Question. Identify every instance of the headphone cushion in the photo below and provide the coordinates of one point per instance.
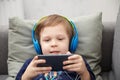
(74, 43)
(37, 47)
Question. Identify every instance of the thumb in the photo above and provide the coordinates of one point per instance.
(35, 58)
(68, 52)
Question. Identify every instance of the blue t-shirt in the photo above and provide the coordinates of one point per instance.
(59, 75)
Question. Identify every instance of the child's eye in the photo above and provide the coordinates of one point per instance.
(46, 40)
(60, 39)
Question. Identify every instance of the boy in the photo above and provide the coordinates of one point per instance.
(55, 34)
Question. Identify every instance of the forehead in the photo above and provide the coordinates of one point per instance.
(57, 29)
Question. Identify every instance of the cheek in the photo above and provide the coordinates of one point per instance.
(44, 48)
(65, 46)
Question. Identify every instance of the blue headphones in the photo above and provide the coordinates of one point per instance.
(73, 43)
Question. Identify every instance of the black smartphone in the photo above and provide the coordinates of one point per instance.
(55, 61)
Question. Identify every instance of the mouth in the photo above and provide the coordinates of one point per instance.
(55, 52)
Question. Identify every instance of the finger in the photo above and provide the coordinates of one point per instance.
(38, 71)
(75, 56)
(42, 72)
(72, 67)
(43, 69)
(74, 61)
(41, 61)
(68, 52)
(35, 58)
(37, 61)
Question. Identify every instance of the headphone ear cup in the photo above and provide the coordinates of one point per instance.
(37, 47)
(74, 40)
(36, 43)
(73, 44)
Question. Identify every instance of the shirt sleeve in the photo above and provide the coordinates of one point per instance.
(89, 69)
(22, 70)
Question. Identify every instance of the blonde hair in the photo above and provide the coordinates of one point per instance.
(53, 20)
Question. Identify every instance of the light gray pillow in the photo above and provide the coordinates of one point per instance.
(19, 43)
(90, 38)
(21, 46)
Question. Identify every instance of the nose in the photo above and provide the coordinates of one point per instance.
(54, 43)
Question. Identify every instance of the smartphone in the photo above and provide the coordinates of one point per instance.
(54, 60)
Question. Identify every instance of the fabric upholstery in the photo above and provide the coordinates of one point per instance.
(4, 77)
(3, 49)
(107, 46)
(116, 49)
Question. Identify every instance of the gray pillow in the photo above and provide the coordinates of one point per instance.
(21, 46)
(90, 38)
(19, 43)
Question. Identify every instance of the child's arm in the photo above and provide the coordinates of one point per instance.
(22, 70)
(32, 70)
(78, 64)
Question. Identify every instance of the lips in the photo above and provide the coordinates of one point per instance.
(54, 52)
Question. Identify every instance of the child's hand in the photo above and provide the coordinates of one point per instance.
(75, 63)
(33, 71)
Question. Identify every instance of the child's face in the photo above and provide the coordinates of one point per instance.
(54, 40)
